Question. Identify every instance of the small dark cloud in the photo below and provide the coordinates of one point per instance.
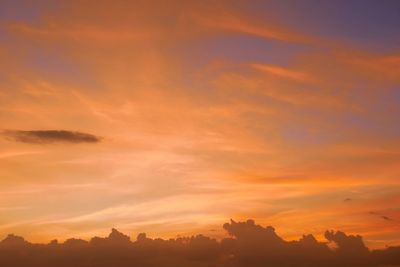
(384, 217)
(347, 199)
(50, 136)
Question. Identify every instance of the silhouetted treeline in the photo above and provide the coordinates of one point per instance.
(249, 245)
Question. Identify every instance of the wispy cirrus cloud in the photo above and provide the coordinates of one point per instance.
(283, 72)
(281, 123)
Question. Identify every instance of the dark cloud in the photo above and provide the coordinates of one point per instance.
(249, 245)
(50, 136)
(349, 247)
(384, 217)
(347, 199)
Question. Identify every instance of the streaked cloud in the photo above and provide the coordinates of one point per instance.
(283, 72)
(210, 109)
(50, 136)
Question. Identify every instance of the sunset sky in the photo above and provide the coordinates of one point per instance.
(171, 117)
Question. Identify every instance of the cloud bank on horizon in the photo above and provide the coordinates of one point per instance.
(249, 244)
(181, 114)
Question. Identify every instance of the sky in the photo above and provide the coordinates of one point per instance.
(171, 117)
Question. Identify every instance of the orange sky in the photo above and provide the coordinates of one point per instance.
(207, 110)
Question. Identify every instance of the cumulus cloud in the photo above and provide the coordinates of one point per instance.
(50, 136)
(249, 245)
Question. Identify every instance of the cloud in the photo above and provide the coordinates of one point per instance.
(50, 136)
(240, 22)
(383, 217)
(349, 245)
(386, 218)
(249, 245)
(283, 72)
(183, 105)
